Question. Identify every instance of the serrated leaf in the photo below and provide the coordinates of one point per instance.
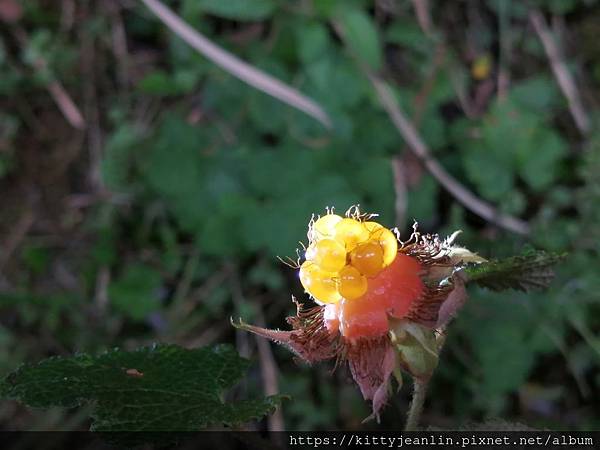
(532, 270)
(157, 388)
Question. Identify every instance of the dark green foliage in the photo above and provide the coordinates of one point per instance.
(164, 217)
(158, 388)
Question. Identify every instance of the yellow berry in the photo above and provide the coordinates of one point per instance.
(385, 238)
(319, 283)
(352, 283)
(368, 258)
(325, 226)
(328, 254)
(350, 232)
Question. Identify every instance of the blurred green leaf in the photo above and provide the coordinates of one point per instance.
(511, 140)
(361, 35)
(136, 293)
(422, 201)
(537, 93)
(313, 41)
(239, 9)
(173, 164)
(539, 167)
(36, 258)
(409, 34)
(117, 156)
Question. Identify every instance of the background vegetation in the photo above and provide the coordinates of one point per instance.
(159, 212)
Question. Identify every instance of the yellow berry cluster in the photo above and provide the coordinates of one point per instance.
(342, 254)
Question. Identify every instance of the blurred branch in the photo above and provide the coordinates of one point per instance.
(416, 405)
(418, 147)
(268, 368)
(426, 24)
(58, 93)
(17, 233)
(236, 67)
(421, 8)
(561, 72)
(400, 189)
(504, 54)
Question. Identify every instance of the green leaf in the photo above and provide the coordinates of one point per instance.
(511, 140)
(537, 94)
(361, 35)
(157, 388)
(239, 9)
(135, 294)
(531, 270)
(539, 166)
(172, 165)
(313, 41)
(117, 155)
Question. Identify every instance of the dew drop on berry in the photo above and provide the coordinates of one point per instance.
(328, 254)
(319, 283)
(368, 258)
(350, 232)
(352, 283)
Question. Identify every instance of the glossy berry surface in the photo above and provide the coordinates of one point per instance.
(345, 257)
(390, 293)
(367, 258)
(328, 254)
(319, 283)
(350, 233)
(324, 227)
(352, 283)
(385, 238)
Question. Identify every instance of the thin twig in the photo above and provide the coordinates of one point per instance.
(179, 309)
(421, 8)
(418, 147)
(89, 70)
(16, 235)
(58, 93)
(119, 43)
(400, 189)
(561, 72)
(236, 67)
(101, 291)
(426, 24)
(416, 405)
(269, 372)
(66, 105)
(402, 177)
(504, 57)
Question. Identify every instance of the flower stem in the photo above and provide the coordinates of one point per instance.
(416, 405)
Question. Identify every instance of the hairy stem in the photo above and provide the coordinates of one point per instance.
(416, 405)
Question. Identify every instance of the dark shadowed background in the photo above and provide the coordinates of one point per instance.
(145, 193)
